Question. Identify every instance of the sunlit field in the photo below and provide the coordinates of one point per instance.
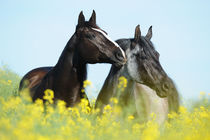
(21, 119)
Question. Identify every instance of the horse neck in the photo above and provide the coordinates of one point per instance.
(70, 67)
(110, 87)
(148, 102)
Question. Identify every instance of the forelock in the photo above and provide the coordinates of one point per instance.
(124, 43)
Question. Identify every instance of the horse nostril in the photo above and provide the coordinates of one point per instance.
(165, 86)
(119, 55)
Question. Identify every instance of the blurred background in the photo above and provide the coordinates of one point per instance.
(34, 33)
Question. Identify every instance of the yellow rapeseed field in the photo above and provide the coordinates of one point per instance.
(21, 119)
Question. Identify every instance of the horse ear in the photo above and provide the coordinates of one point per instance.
(137, 33)
(81, 19)
(149, 33)
(92, 19)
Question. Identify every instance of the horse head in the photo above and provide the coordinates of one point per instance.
(94, 45)
(143, 65)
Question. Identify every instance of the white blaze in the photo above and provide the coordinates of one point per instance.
(98, 30)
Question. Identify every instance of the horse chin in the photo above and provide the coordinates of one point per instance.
(160, 93)
(118, 65)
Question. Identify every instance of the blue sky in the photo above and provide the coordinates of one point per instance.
(34, 33)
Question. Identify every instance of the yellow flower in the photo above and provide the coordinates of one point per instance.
(61, 105)
(151, 132)
(202, 108)
(182, 109)
(75, 112)
(130, 117)
(170, 116)
(39, 102)
(84, 105)
(122, 83)
(114, 100)
(22, 119)
(48, 95)
(84, 102)
(87, 83)
(10, 82)
(107, 107)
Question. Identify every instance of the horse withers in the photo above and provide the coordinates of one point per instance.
(147, 81)
(89, 44)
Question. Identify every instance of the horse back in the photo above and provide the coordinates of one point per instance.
(33, 78)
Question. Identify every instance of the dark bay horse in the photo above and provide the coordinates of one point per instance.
(89, 44)
(149, 89)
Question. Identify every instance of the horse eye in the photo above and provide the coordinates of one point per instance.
(137, 55)
(93, 36)
(143, 57)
